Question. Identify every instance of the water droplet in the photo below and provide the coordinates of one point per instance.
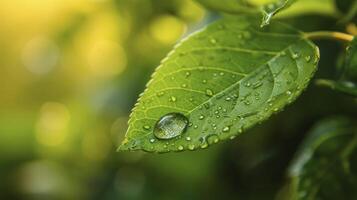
(152, 140)
(257, 85)
(295, 55)
(187, 74)
(204, 145)
(172, 99)
(188, 138)
(191, 147)
(212, 139)
(146, 127)
(288, 92)
(180, 148)
(226, 129)
(209, 92)
(307, 58)
(228, 99)
(221, 73)
(202, 117)
(204, 81)
(159, 94)
(184, 85)
(170, 125)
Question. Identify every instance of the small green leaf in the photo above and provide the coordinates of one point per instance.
(268, 10)
(223, 79)
(325, 167)
(348, 81)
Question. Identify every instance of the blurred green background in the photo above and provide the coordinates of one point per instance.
(70, 72)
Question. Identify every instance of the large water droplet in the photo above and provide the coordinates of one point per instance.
(170, 125)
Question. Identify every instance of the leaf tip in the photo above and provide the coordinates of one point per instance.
(126, 145)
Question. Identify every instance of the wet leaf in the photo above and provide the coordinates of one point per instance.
(325, 167)
(223, 79)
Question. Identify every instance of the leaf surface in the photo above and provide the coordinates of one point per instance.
(224, 79)
(326, 164)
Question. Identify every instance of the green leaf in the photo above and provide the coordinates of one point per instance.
(224, 79)
(348, 81)
(268, 10)
(326, 164)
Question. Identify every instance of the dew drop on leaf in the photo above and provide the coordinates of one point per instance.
(173, 99)
(213, 139)
(308, 58)
(170, 125)
(180, 148)
(209, 92)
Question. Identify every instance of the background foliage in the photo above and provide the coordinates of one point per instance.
(70, 72)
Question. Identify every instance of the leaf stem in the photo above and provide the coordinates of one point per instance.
(344, 37)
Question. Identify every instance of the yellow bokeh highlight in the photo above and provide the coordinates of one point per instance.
(52, 124)
(106, 58)
(99, 45)
(167, 29)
